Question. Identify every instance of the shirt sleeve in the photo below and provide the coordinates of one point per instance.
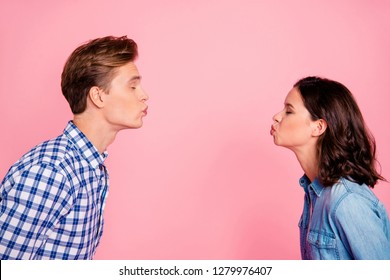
(363, 226)
(31, 205)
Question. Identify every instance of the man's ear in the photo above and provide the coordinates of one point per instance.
(319, 127)
(95, 95)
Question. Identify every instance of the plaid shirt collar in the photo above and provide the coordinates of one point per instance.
(86, 148)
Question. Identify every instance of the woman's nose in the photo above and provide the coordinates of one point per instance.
(276, 117)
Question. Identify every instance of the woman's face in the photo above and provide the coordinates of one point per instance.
(293, 127)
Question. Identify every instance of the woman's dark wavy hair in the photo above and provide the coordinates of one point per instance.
(346, 148)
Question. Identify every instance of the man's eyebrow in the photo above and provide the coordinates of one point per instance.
(135, 78)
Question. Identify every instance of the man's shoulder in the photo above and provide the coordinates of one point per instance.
(47, 155)
(52, 153)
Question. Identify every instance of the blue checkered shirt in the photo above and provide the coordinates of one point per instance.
(52, 200)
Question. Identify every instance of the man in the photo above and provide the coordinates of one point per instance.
(52, 199)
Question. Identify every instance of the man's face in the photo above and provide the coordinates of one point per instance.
(125, 101)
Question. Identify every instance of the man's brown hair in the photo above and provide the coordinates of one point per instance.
(94, 64)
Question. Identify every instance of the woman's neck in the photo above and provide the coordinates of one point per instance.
(308, 160)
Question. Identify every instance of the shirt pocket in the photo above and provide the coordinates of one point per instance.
(322, 245)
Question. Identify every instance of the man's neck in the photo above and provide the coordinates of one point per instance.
(100, 135)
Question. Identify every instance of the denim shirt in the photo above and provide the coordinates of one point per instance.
(343, 222)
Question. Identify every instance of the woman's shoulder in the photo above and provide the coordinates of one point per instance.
(349, 193)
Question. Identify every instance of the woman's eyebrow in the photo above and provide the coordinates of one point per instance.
(289, 105)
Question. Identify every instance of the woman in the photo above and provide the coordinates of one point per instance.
(342, 218)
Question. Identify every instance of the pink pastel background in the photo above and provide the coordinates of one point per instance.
(202, 179)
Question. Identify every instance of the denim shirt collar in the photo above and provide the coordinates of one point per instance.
(316, 186)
